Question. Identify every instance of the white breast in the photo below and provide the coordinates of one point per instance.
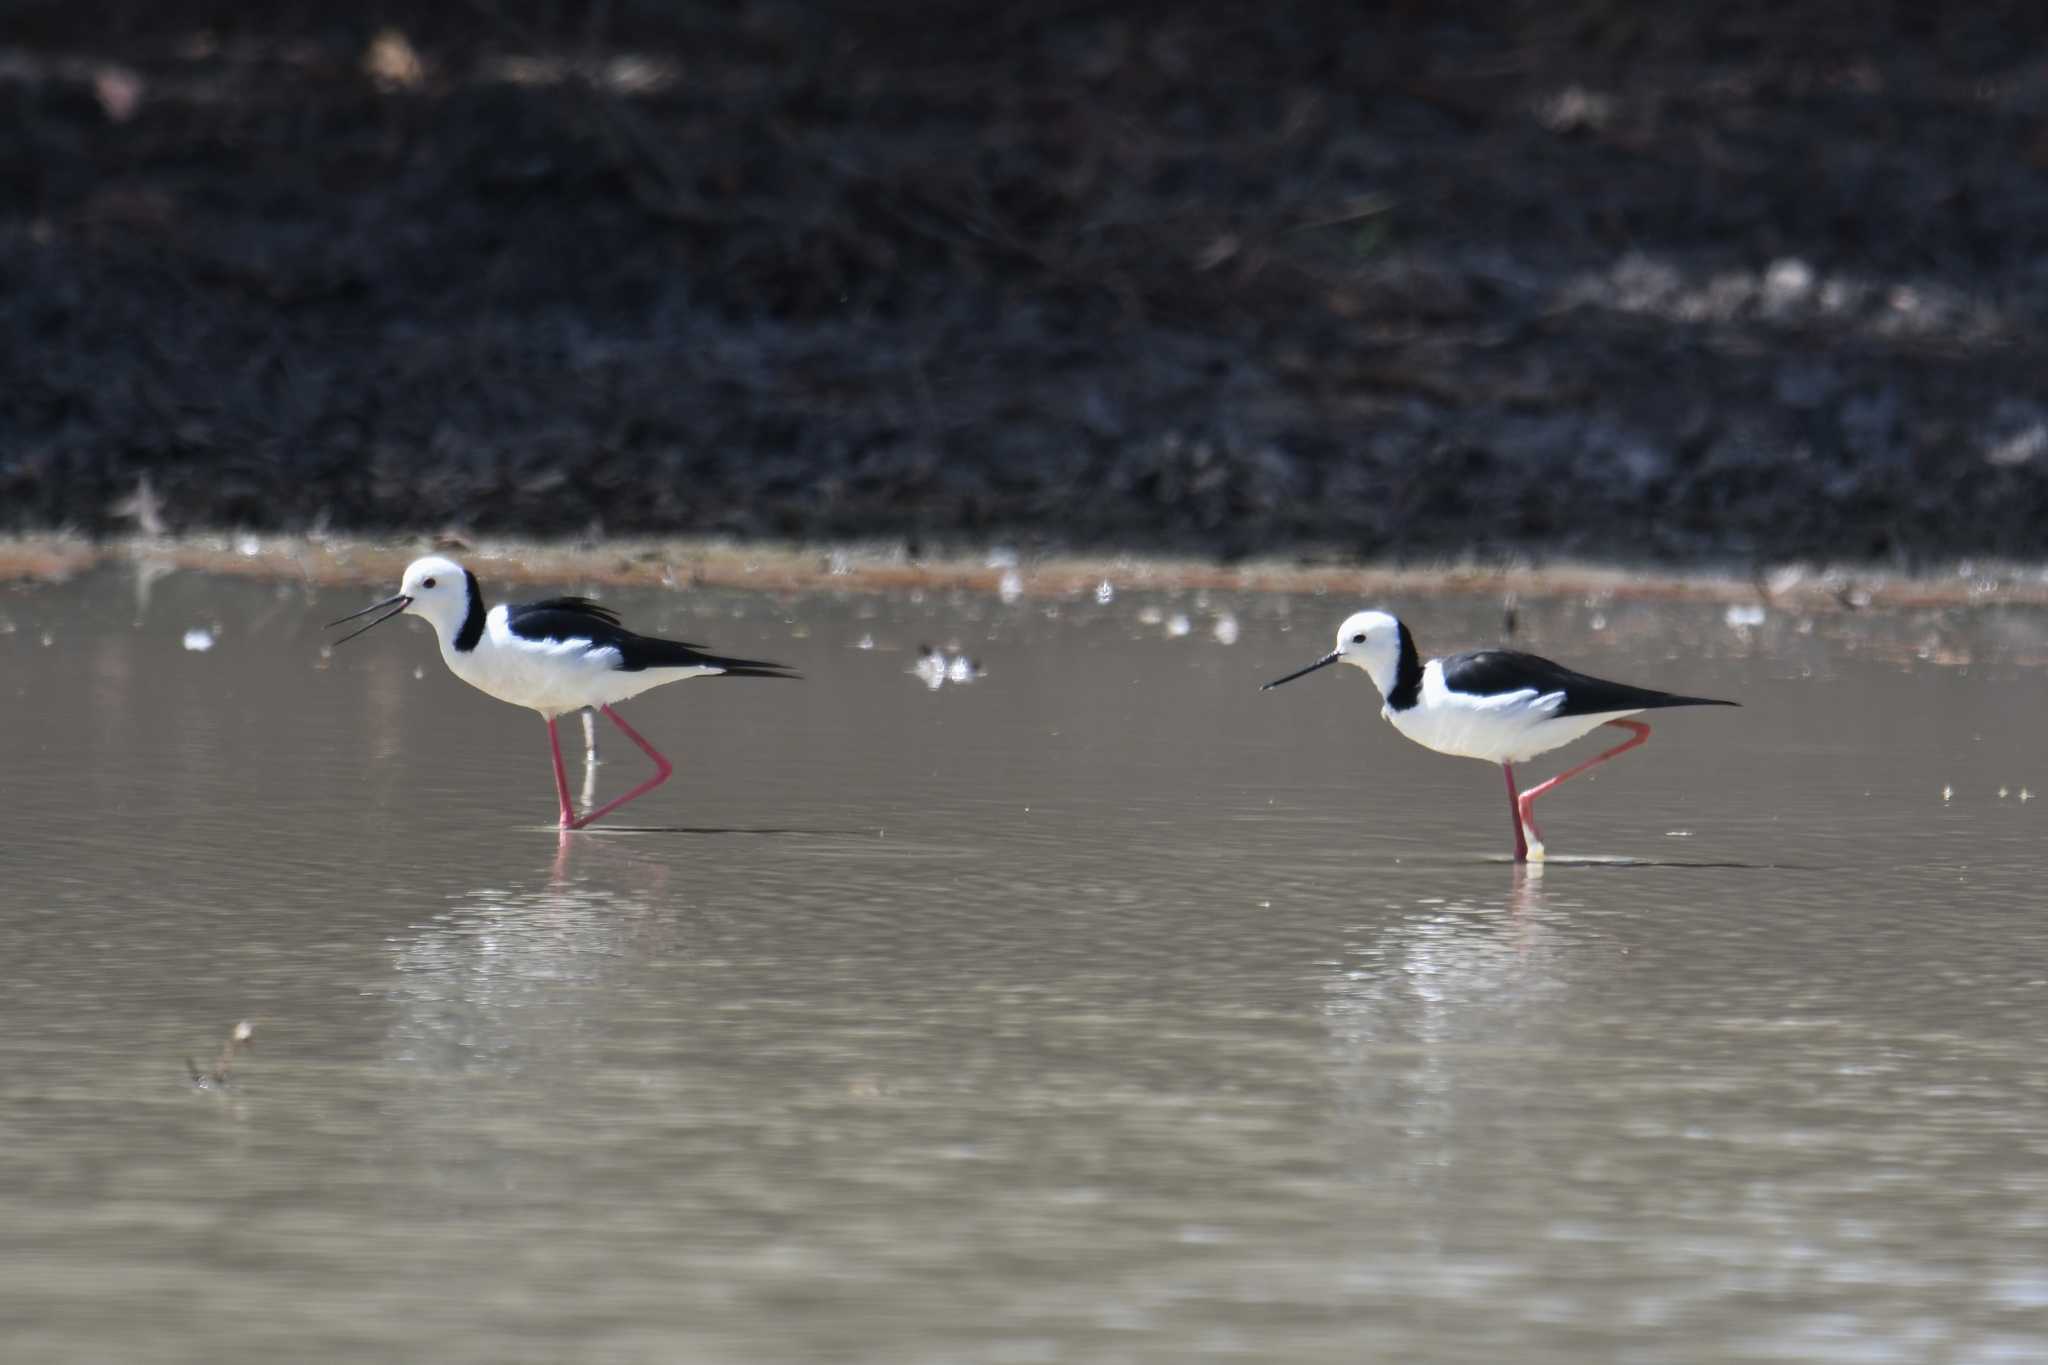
(1508, 727)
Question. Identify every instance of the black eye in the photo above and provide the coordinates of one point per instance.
(1357, 639)
(428, 583)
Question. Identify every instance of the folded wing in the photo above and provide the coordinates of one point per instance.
(579, 618)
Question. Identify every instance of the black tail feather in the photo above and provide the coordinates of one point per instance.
(752, 668)
(648, 652)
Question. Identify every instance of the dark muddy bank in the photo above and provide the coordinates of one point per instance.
(1610, 280)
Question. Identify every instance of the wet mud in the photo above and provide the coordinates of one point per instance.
(1324, 280)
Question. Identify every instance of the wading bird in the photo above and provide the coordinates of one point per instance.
(1499, 705)
(554, 656)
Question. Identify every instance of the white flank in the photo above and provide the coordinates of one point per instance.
(1508, 727)
(552, 676)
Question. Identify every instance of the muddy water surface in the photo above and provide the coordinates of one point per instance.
(1099, 1009)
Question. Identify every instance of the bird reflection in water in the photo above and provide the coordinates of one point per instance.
(1428, 1010)
(587, 798)
(508, 976)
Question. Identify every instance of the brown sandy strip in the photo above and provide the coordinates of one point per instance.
(794, 568)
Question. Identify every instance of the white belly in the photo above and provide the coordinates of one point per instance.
(555, 679)
(1508, 729)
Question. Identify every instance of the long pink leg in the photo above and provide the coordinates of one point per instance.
(1515, 814)
(662, 769)
(561, 776)
(1528, 798)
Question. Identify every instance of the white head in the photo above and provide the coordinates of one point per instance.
(434, 587)
(1371, 640)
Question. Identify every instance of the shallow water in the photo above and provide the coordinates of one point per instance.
(1101, 1009)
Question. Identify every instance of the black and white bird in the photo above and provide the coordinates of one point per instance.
(1499, 705)
(554, 656)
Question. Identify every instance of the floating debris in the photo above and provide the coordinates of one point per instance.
(1779, 581)
(1178, 625)
(1105, 593)
(1743, 615)
(864, 642)
(218, 1077)
(1225, 629)
(1948, 793)
(935, 668)
(1010, 586)
(199, 639)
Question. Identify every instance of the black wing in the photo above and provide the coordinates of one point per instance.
(579, 618)
(574, 606)
(1489, 672)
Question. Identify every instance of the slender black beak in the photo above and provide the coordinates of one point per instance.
(1323, 662)
(397, 604)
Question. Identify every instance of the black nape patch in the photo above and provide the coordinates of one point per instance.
(1407, 674)
(472, 624)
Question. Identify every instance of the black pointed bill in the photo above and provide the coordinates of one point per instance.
(397, 604)
(1323, 662)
